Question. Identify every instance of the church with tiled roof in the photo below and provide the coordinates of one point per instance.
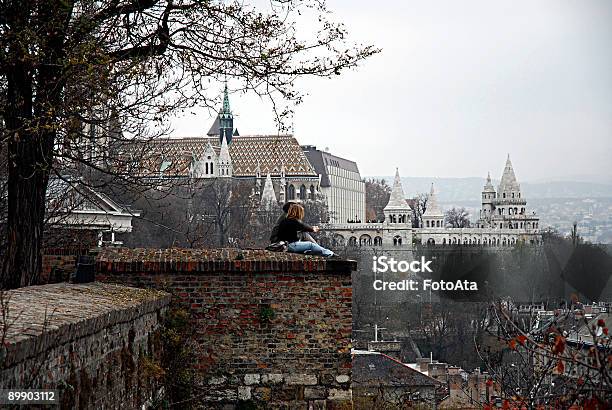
(224, 153)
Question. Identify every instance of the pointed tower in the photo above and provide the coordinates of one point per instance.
(488, 195)
(225, 168)
(397, 210)
(226, 119)
(268, 197)
(433, 217)
(508, 187)
(509, 206)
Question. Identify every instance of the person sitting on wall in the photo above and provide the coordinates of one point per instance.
(305, 236)
(292, 225)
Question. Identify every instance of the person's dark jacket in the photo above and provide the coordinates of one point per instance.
(274, 234)
(289, 230)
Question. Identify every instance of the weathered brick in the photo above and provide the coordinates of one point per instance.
(283, 317)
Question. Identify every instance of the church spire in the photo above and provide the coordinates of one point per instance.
(226, 119)
(226, 105)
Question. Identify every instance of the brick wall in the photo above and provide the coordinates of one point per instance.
(91, 342)
(59, 263)
(274, 328)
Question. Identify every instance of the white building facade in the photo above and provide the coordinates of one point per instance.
(341, 185)
(504, 221)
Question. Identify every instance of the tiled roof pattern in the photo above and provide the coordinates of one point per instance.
(271, 151)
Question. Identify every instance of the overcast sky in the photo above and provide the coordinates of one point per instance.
(458, 85)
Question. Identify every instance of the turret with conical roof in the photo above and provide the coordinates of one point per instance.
(508, 187)
(488, 196)
(433, 217)
(397, 209)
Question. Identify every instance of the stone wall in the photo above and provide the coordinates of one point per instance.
(274, 328)
(91, 342)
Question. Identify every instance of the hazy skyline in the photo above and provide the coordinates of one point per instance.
(458, 85)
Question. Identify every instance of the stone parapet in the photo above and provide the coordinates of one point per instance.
(87, 341)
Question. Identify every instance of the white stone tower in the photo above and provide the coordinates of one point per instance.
(433, 217)
(488, 195)
(398, 221)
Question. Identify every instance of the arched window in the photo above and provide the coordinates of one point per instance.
(290, 192)
(339, 240)
(303, 192)
(206, 166)
(365, 239)
(377, 241)
(352, 241)
(443, 241)
(212, 171)
(431, 242)
(397, 240)
(504, 194)
(427, 223)
(312, 192)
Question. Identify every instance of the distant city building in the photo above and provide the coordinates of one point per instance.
(504, 221)
(379, 378)
(341, 184)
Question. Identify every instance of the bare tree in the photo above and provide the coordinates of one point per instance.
(204, 213)
(377, 195)
(419, 205)
(81, 80)
(457, 218)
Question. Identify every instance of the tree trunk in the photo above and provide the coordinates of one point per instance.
(31, 121)
(26, 210)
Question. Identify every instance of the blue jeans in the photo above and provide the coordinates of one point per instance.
(302, 246)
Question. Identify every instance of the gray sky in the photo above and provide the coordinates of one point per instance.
(458, 85)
